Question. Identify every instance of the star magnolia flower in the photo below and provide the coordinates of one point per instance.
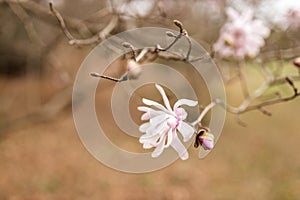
(241, 36)
(164, 122)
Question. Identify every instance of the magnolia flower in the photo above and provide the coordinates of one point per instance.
(205, 139)
(241, 36)
(164, 122)
(282, 13)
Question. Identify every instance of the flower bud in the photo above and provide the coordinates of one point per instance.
(134, 70)
(178, 23)
(296, 62)
(205, 139)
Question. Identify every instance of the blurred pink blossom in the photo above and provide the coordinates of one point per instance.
(282, 13)
(133, 8)
(161, 130)
(241, 36)
(291, 19)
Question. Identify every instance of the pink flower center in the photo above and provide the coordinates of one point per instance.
(173, 122)
(131, 67)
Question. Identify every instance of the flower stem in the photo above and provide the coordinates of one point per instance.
(204, 112)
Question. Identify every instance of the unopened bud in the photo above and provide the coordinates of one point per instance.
(205, 139)
(178, 23)
(296, 62)
(134, 70)
(127, 45)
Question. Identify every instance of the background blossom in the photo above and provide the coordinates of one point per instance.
(241, 36)
(283, 14)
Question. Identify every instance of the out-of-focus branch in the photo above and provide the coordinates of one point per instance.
(242, 78)
(46, 112)
(284, 54)
(94, 39)
(61, 22)
(246, 106)
(26, 20)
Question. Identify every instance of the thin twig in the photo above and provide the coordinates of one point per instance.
(94, 39)
(131, 47)
(28, 25)
(187, 57)
(94, 74)
(204, 112)
(243, 81)
(284, 54)
(61, 22)
(246, 107)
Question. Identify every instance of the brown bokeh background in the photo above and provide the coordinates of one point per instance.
(42, 157)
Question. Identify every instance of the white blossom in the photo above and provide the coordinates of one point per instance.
(164, 122)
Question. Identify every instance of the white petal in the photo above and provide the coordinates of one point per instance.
(155, 104)
(160, 147)
(186, 131)
(169, 138)
(143, 108)
(158, 125)
(164, 96)
(145, 116)
(160, 129)
(152, 131)
(158, 119)
(150, 140)
(143, 128)
(149, 112)
(185, 102)
(180, 148)
(148, 145)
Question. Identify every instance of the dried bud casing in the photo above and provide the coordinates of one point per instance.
(170, 34)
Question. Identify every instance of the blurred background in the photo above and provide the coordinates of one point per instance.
(41, 156)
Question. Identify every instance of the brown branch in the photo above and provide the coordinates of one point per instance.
(242, 78)
(43, 113)
(94, 39)
(61, 22)
(283, 53)
(94, 74)
(246, 107)
(271, 102)
(26, 20)
(42, 12)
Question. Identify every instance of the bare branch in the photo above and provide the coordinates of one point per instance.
(243, 81)
(28, 25)
(246, 107)
(61, 22)
(284, 54)
(94, 39)
(131, 47)
(94, 74)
